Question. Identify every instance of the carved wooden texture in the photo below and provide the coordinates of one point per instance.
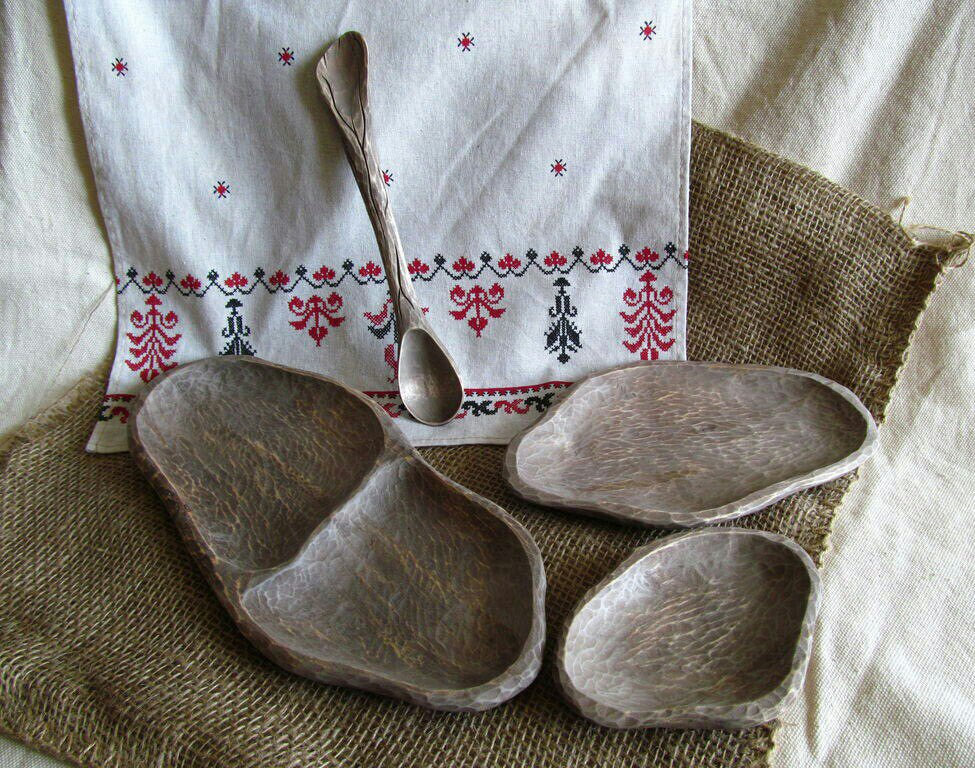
(680, 444)
(707, 629)
(429, 384)
(336, 549)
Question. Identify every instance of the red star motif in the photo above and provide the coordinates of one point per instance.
(648, 30)
(119, 67)
(286, 56)
(558, 167)
(221, 189)
(387, 177)
(465, 42)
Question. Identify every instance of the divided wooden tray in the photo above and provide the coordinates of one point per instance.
(337, 550)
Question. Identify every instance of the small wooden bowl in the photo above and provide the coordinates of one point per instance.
(681, 444)
(707, 629)
(338, 551)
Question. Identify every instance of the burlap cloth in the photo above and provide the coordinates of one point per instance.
(114, 652)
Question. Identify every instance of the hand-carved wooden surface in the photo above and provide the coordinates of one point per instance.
(680, 444)
(429, 384)
(707, 629)
(336, 549)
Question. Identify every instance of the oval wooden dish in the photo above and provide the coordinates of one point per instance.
(706, 629)
(681, 444)
(338, 551)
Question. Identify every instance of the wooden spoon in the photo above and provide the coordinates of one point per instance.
(338, 552)
(428, 380)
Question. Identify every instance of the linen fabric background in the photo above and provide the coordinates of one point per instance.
(536, 156)
(874, 97)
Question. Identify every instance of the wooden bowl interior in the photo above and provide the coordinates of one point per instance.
(255, 454)
(419, 586)
(711, 620)
(682, 439)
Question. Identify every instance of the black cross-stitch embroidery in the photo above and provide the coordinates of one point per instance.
(510, 401)
(508, 266)
(563, 335)
(236, 332)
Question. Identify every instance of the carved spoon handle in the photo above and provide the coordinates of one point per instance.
(343, 74)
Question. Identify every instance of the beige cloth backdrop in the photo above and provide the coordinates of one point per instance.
(875, 96)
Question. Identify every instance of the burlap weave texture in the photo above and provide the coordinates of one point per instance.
(114, 652)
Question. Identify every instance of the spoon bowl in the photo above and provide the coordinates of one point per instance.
(429, 388)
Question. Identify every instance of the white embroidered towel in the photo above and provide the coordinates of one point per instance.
(536, 156)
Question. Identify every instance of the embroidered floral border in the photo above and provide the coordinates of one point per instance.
(371, 273)
(532, 398)
(647, 308)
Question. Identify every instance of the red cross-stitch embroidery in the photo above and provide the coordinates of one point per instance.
(154, 346)
(461, 269)
(387, 177)
(286, 56)
(558, 168)
(324, 273)
(647, 31)
(371, 269)
(221, 189)
(380, 324)
(190, 283)
(417, 267)
(645, 255)
(464, 265)
(488, 402)
(389, 355)
(509, 262)
(555, 259)
(649, 326)
(316, 315)
(465, 42)
(477, 302)
(279, 278)
(111, 411)
(119, 67)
